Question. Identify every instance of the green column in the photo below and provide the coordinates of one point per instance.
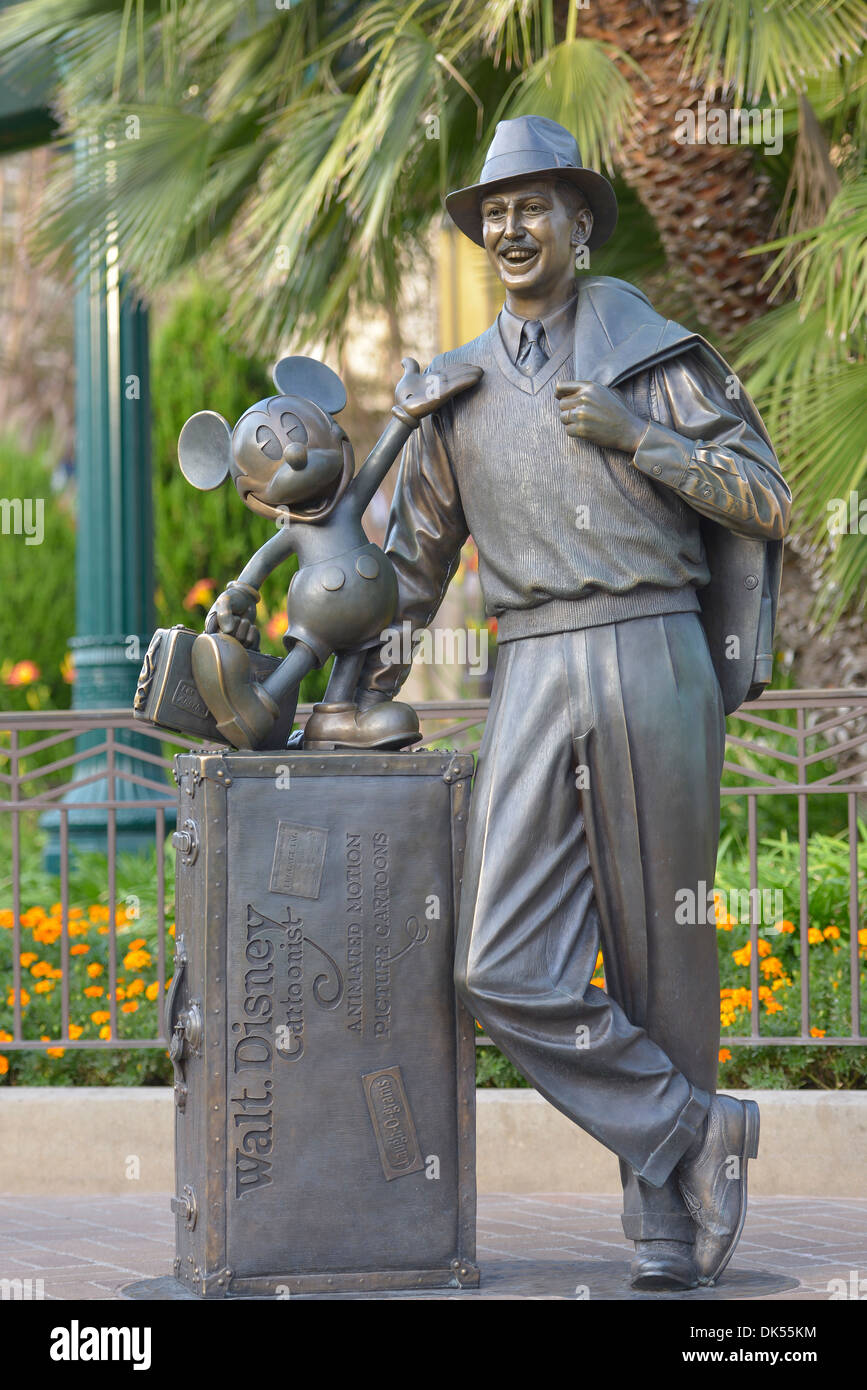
(114, 546)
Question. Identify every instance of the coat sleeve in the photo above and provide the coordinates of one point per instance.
(710, 453)
(426, 529)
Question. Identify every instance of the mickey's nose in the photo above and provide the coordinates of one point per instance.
(296, 456)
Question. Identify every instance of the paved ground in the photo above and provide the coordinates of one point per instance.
(554, 1246)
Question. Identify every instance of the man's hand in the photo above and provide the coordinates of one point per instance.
(421, 395)
(590, 411)
(234, 613)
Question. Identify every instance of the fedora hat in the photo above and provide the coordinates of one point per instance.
(534, 145)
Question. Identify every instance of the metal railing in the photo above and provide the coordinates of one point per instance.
(783, 740)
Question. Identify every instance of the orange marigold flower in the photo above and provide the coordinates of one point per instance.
(75, 1030)
(33, 916)
(742, 957)
(75, 913)
(773, 1006)
(862, 936)
(105, 1032)
(98, 913)
(79, 950)
(7, 917)
(831, 932)
(725, 1054)
(818, 1032)
(44, 987)
(94, 969)
(201, 594)
(4, 1065)
(4, 1036)
(137, 960)
(814, 936)
(101, 1016)
(785, 926)
(765, 947)
(54, 1051)
(137, 987)
(23, 673)
(94, 991)
(137, 944)
(771, 966)
(27, 958)
(129, 1008)
(10, 998)
(276, 626)
(152, 991)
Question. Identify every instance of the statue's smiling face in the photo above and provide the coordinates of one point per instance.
(531, 232)
(287, 451)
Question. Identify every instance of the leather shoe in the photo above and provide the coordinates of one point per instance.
(714, 1182)
(245, 713)
(388, 724)
(663, 1264)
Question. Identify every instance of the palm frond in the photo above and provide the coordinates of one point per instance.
(742, 49)
(577, 84)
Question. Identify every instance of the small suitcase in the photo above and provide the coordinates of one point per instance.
(324, 1069)
(166, 695)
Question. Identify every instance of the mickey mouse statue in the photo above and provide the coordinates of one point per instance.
(291, 461)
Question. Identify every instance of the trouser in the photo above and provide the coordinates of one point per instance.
(596, 802)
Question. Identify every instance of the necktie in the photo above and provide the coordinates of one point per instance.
(532, 354)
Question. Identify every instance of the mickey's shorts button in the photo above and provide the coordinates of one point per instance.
(657, 468)
(333, 578)
(367, 566)
(751, 581)
(707, 489)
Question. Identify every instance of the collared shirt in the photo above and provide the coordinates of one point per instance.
(557, 327)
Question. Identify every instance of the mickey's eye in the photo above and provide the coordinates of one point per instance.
(269, 443)
(293, 427)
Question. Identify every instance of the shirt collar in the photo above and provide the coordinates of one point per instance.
(557, 327)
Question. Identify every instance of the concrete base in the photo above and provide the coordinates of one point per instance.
(523, 1278)
(59, 1141)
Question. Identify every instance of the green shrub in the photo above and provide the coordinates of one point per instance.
(37, 582)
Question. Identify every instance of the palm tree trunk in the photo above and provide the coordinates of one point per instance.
(709, 204)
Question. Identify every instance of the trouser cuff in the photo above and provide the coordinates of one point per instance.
(657, 1225)
(668, 1154)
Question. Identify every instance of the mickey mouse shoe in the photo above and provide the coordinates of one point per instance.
(389, 724)
(245, 713)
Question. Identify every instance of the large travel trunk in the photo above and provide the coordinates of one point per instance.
(324, 1070)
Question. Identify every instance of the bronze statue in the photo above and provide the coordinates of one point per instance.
(628, 512)
(292, 463)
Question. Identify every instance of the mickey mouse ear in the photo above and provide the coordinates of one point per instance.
(312, 380)
(205, 450)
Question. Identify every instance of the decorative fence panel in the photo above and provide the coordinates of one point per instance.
(104, 769)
